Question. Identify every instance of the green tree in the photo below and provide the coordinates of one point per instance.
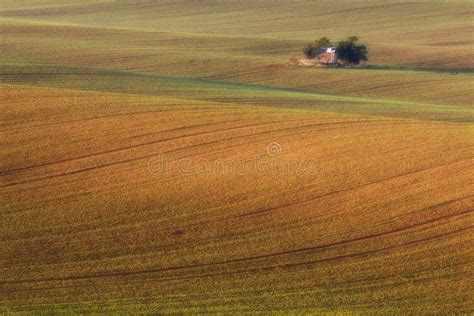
(322, 42)
(351, 52)
(309, 51)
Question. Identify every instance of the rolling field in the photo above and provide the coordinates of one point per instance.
(161, 157)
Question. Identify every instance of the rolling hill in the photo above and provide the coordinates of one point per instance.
(161, 157)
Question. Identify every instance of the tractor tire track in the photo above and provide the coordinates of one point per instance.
(166, 152)
(253, 258)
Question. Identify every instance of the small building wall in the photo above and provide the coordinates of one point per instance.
(327, 58)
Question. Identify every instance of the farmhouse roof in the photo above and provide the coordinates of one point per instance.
(327, 50)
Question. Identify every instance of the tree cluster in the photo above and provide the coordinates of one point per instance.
(348, 51)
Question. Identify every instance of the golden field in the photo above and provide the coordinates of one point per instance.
(155, 159)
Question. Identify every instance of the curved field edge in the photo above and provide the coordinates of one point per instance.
(189, 88)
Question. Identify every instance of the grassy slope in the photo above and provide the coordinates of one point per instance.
(231, 59)
(90, 79)
(427, 33)
(383, 225)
